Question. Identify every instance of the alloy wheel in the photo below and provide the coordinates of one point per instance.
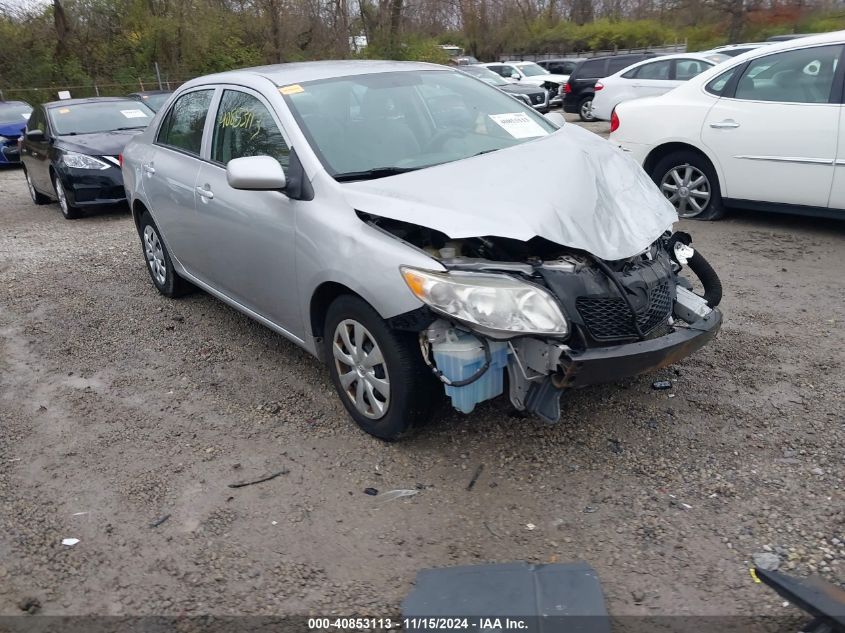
(155, 255)
(361, 369)
(688, 189)
(61, 196)
(587, 110)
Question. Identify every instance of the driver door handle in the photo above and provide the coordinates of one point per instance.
(205, 193)
(727, 124)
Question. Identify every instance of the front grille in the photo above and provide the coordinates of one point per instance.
(610, 317)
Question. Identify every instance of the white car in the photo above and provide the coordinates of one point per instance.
(649, 78)
(530, 73)
(762, 130)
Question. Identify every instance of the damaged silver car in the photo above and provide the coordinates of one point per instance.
(419, 231)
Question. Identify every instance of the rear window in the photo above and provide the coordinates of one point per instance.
(593, 68)
(618, 63)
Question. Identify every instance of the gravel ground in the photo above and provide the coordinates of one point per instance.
(119, 407)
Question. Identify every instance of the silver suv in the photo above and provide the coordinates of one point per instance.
(419, 231)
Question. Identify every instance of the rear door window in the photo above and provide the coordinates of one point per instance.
(797, 76)
(244, 127)
(593, 68)
(184, 123)
(615, 64)
(654, 70)
(688, 68)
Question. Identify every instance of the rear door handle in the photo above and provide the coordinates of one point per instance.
(727, 124)
(149, 169)
(205, 193)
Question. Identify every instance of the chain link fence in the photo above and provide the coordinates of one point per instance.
(663, 49)
(44, 94)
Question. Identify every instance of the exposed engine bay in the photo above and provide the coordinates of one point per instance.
(623, 317)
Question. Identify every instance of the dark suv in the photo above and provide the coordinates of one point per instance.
(562, 66)
(579, 91)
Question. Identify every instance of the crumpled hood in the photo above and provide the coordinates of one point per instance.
(571, 187)
(99, 143)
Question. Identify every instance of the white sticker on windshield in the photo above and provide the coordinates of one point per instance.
(134, 114)
(519, 124)
(26, 116)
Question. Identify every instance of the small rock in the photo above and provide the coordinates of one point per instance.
(817, 471)
(766, 561)
(638, 596)
(29, 604)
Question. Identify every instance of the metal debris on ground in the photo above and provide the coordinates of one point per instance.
(661, 384)
(370, 491)
(390, 495)
(241, 484)
(475, 476)
(70, 542)
(159, 520)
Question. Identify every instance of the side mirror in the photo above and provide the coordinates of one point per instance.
(557, 118)
(35, 135)
(256, 173)
(516, 76)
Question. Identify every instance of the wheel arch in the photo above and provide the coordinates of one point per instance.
(137, 209)
(321, 299)
(666, 148)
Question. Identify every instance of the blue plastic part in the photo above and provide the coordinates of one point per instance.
(464, 356)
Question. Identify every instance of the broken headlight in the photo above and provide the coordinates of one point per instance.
(496, 304)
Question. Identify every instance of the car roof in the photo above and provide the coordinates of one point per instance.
(296, 72)
(15, 102)
(142, 93)
(562, 59)
(67, 102)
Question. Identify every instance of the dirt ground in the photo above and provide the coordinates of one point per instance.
(119, 407)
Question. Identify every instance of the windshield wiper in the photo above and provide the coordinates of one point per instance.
(372, 174)
(133, 127)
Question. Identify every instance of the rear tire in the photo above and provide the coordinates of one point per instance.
(378, 372)
(70, 211)
(37, 198)
(689, 181)
(166, 280)
(585, 109)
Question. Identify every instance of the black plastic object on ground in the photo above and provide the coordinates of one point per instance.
(543, 598)
(824, 601)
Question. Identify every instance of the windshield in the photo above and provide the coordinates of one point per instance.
(14, 112)
(99, 116)
(378, 124)
(155, 101)
(532, 70)
(485, 75)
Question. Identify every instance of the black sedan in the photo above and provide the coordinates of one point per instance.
(153, 99)
(70, 151)
(534, 96)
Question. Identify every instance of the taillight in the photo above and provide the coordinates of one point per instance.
(567, 88)
(120, 160)
(599, 86)
(614, 121)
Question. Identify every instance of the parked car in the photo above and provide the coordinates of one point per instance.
(579, 89)
(153, 99)
(648, 78)
(13, 118)
(530, 73)
(70, 151)
(560, 66)
(532, 95)
(374, 213)
(734, 50)
(760, 131)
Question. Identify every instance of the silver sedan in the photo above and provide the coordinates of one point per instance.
(421, 232)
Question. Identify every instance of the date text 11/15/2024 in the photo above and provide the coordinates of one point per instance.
(489, 624)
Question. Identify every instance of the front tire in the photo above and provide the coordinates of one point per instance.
(689, 182)
(378, 372)
(585, 109)
(70, 211)
(159, 265)
(37, 198)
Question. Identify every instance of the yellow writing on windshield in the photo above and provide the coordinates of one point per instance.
(243, 119)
